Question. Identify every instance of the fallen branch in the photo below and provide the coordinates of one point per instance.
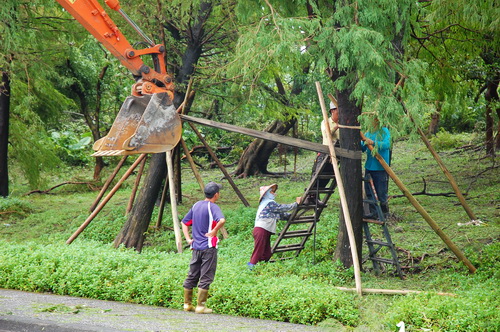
(467, 147)
(424, 192)
(448, 194)
(475, 177)
(38, 191)
(7, 212)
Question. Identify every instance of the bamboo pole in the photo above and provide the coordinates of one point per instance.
(192, 164)
(106, 199)
(438, 159)
(423, 212)
(222, 168)
(107, 183)
(343, 200)
(136, 185)
(390, 291)
(173, 203)
(180, 110)
(447, 173)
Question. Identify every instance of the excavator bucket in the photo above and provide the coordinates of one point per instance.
(145, 124)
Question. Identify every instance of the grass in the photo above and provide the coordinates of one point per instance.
(34, 228)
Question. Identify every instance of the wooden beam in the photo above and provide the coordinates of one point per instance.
(291, 141)
(390, 291)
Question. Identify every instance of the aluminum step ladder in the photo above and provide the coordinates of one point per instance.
(302, 222)
(375, 245)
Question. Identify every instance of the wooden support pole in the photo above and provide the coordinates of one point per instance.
(107, 183)
(136, 185)
(422, 212)
(448, 175)
(163, 199)
(390, 291)
(106, 199)
(445, 170)
(222, 168)
(173, 202)
(192, 164)
(343, 200)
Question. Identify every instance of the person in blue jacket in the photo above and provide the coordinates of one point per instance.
(380, 138)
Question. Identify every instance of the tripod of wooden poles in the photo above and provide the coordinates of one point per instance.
(98, 205)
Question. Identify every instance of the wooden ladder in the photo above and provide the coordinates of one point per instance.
(302, 222)
(374, 245)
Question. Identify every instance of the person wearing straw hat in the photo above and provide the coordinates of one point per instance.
(268, 213)
(333, 120)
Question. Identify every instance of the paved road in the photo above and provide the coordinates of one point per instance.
(33, 312)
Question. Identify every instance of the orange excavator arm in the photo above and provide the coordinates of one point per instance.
(146, 122)
(94, 18)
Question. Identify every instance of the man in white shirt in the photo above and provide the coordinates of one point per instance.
(312, 198)
(333, 122)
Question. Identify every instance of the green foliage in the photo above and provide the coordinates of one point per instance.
(489, 261)
(33, 255)
(475, 310)
(94, 270)
(32, 150)
(269, 298)
(14, 205)
(462, 118)
(447, 141)
(71, 149)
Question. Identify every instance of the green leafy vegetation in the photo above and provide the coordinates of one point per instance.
(34, 256)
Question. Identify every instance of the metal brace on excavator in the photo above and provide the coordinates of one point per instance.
(147, 121)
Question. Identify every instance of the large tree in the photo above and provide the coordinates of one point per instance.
(94, 80)
(193, 30)
(460, 42)
(358, 46)
(28, 100)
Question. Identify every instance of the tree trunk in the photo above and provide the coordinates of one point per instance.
(133, 231)
(255, 158)
(96, 131)
(497, 138)
(4, 133)
(92, 120)
(491, 96)
(435, 117)
(351, 174)
(490, 58)
(99, 165)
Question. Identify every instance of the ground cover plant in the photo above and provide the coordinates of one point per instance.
(34, 256)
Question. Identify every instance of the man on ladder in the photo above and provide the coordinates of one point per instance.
(333, 120)
(380, 138)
